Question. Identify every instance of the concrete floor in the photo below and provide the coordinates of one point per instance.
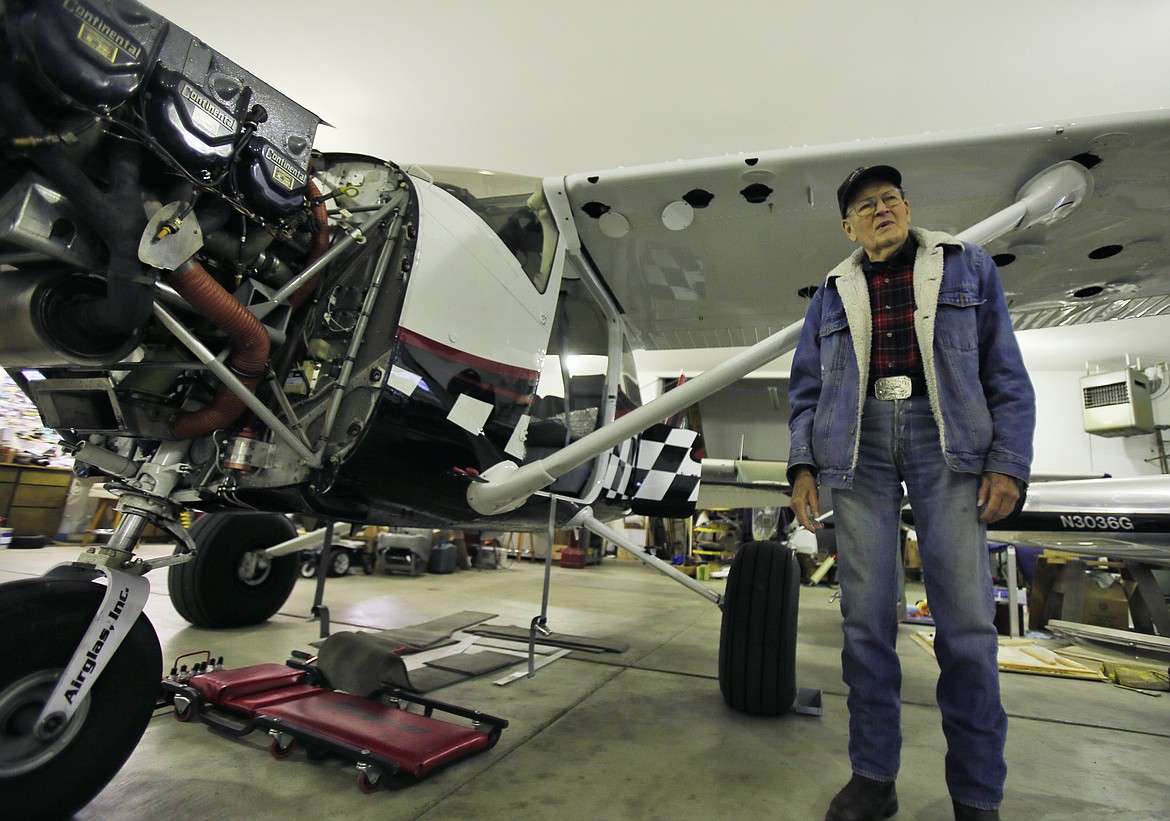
(642, 735)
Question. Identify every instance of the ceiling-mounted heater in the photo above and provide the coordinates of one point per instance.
(1117, 403)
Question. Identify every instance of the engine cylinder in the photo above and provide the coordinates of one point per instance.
(96, 52)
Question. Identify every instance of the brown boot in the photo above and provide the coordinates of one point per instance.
(864, 799)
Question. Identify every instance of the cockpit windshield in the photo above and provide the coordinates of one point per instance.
(513, 205)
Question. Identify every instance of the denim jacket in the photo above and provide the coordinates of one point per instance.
(980, 393)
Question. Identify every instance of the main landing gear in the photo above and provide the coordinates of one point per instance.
(232, 582)
(757, 646)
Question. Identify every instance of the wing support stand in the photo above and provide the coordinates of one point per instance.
(539, 623)
(319, 610)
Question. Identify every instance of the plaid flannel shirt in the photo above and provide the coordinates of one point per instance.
(894, 351)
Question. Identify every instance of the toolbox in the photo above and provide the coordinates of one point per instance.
(402, 560)
(443, 558)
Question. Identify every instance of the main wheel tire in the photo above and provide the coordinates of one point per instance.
(231, 582)
(757, 643)
(44, 621)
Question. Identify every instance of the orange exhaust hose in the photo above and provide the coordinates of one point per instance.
(249, 356)
(320, 245)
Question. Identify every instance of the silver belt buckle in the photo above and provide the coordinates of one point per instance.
(893, 387)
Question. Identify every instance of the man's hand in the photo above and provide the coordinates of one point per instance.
(998, 495)
(804, 500)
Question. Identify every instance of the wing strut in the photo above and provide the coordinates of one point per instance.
(1049, 196)
(586, 519)
(508, 486)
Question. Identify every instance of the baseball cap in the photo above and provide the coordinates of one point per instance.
(861, 175)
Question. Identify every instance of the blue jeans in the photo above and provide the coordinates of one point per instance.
(900, 443)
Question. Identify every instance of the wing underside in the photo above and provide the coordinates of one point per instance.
(1118, 518)
(725, 251)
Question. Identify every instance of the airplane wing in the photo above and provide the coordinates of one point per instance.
(1120, 518)
(740, 483)
(724, 251)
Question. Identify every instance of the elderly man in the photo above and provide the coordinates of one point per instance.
(908, 374)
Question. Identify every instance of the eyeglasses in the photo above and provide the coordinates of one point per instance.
(868, 207)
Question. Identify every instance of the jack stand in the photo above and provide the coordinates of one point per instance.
(321, 613)
(319, 610)
(540, 623)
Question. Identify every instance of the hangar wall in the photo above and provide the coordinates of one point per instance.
(1063, 448)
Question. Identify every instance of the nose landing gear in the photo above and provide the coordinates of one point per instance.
(45, 620)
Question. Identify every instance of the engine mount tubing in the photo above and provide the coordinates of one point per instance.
(201, 352)
(359, 332)
(106, 461)
(249, 355)
(284, 294)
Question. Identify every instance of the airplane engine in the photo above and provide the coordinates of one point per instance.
(119, 113)
(173, 278)
(214, 315)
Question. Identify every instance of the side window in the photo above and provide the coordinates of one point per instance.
(514, 207)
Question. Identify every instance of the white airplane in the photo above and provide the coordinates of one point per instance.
(216, 318)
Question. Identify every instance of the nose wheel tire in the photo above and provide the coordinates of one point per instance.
(45, 620)
(232, 582)
(757, 642)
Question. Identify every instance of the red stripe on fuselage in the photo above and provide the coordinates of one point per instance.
(463, 357)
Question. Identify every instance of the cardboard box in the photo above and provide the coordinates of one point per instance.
(1104, 606)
